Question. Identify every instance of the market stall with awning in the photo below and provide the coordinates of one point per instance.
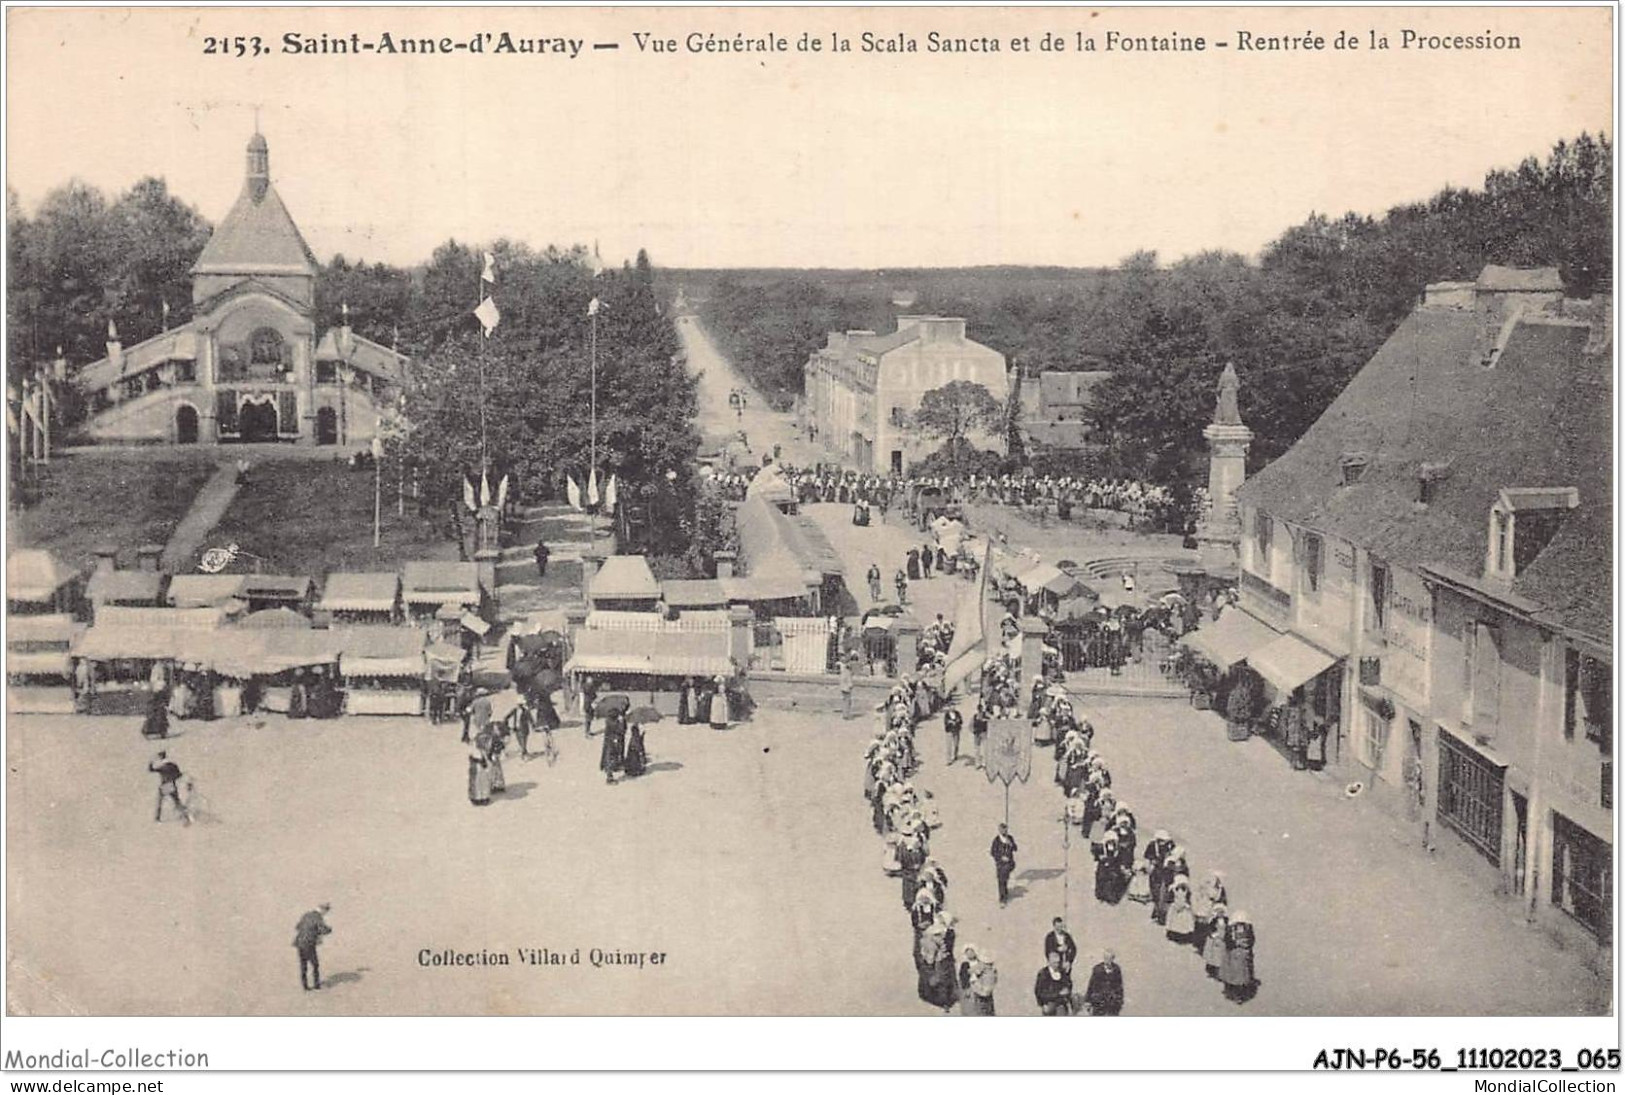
(383, 669)
(38, 646)
(1288, 663)
(1232, 638)
(428, 586)
(362, 596)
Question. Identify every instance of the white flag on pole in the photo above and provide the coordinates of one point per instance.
(593, 306)
(488, 315)
(609, 495)
(592, 488)
(502, 492)
(572, 491)
(490, 272)
(485, 490)
(468, 494)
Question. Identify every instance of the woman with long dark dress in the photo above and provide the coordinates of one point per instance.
(1236, 968)
(637, 758)
(612, 757)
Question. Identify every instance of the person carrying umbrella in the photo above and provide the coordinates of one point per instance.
(612, 755)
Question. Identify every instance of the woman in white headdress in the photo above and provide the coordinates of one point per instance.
(978, 977)
(1181, 925)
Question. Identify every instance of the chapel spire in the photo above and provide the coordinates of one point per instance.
(259, 165)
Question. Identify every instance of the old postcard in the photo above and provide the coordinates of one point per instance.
(862, 512)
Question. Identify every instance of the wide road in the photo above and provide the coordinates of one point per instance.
(763, 426)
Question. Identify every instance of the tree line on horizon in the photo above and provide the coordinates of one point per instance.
(1298, 321)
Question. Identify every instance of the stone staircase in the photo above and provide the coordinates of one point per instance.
(568, 534)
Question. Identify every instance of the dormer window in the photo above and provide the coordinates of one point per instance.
(1523, 521)
(1353, 465)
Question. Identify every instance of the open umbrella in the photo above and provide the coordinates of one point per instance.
(504, 703)
(643, 714)
(608, 705)
(529, 667)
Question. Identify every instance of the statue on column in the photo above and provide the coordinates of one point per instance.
(1226, 413)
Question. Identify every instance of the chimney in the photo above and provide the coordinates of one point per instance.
(147, 557)
(725, 561)
(115, 348)
(106, 558)
(942, 329)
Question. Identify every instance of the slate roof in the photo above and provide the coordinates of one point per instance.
(1539, 417)
(257, 236)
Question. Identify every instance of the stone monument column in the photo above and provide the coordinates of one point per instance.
(1218, 534)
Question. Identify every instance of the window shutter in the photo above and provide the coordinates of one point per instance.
(287, 412)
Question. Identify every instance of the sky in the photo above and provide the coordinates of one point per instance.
(857, 159)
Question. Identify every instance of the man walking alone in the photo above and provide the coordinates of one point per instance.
(1003, 851)
(307, 936)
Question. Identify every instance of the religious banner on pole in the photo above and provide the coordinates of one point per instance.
(1009, 755)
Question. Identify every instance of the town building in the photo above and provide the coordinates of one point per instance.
(250, 365)
(1055, 409)
(1426, 579)
(862, 389)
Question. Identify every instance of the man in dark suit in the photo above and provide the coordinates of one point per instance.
(307, 935)
(954, 724)
(1053, 989)
(1058, 941)
(1003, 851)
(1104, 996)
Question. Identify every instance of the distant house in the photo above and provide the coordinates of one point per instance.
(862, 389)
(1055, 408)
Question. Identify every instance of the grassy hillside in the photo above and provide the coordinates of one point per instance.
(122, 499)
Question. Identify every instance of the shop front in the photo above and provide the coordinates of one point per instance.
(1304, 699)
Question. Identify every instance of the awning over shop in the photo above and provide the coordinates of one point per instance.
(361, 592)
(381, 651)
(1231, 638)
(39, 663)
(1288, 662)
(1040, 576)
(58, 629)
